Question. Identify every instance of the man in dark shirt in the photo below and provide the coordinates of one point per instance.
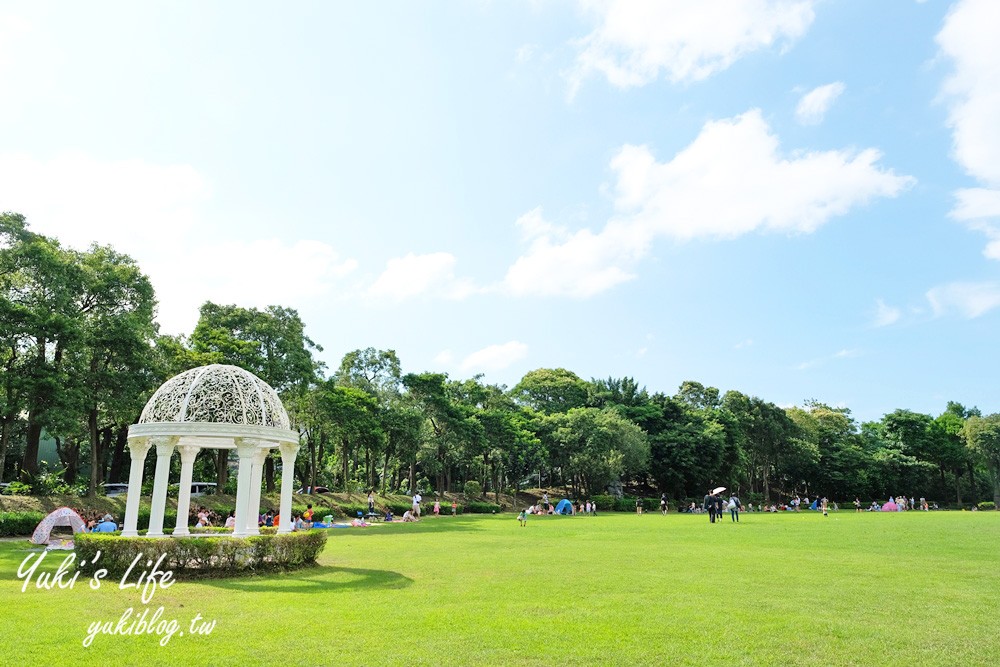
(709, 506)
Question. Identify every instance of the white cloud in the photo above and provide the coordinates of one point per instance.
(973, 89)
(731, 180)
(413, 275)
(885, 314)
(154, 213)
(255, 274)
(969, 300)
(525, 53)
(813, 105)
(579, 264)
(743, 343)
(820, 361)
(444, 358)
(637, 39)
(80, 199)
(495, 357)
(973, 93)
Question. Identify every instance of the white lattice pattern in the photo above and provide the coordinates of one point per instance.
(219, 394)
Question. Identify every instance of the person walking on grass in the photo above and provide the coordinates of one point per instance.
(663, 504)
(823, 503)
(709, 506)
(638, 506)
(734, 508)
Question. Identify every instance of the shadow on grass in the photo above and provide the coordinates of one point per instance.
(319, 579)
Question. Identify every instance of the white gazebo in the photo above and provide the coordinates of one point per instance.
(211, 407)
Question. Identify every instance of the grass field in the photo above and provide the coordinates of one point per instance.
(850, 589)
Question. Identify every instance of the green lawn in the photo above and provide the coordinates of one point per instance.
(867, 589)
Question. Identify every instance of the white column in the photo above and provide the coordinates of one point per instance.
(288, 453)
(188, 454)
(164, 450)
(253, 506)
(246, 450)
(137, 448)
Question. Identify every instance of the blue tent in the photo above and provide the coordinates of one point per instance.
(564, 507)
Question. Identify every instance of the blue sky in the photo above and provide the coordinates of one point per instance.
(798, 199)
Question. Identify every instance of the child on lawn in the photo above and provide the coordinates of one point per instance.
(522, 518)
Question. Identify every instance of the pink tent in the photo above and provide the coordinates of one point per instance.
(890, 507)
(64, 516)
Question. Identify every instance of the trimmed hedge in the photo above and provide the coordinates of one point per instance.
(17, 524)
(201, 556)
(988, 506)
(477, 508)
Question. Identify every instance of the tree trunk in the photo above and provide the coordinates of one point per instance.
(107, 436)
(269, 474)
(221, 469)
(345, 448)
(973, 496)
(4, 440)
(385, 469)
(69, 456)
(767, 487)
(996, 484)
(413, 474)
(95, 452)
(958, 490)
(29, 462)
(118, 456)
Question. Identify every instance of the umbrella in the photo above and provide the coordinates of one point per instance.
(718, 489)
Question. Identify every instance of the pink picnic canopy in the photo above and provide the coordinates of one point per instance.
(64, 516)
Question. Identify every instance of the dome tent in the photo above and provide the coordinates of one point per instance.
(564, 507)
(64, 516)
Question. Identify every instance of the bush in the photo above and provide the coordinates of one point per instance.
(473, 489)
(479, 508)
(201, 556)
(351, 510)
(19, 524)
(18, 489)
(989, 506)
(604, 503)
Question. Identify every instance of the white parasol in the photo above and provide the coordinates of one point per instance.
(718, 489)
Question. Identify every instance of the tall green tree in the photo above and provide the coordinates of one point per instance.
(551, 390)
(982, 435)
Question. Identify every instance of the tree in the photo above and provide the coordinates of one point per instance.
(39, 285)
(601, 447)
(271, 344)
(982, 435)
(550, 390)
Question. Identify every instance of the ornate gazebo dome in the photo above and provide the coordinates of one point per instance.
(216, 394)
(215, 401)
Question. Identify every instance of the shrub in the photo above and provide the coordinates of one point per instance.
(398, 508)
(351, 510)
(17, 524)
(18, 489)
(479, 508)
(604, 503)
(473, 489)
(987, 506)
(201, 556)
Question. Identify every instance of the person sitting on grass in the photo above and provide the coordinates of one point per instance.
(388, 516)
(408, 516)
(522, 519)
(231, 520)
